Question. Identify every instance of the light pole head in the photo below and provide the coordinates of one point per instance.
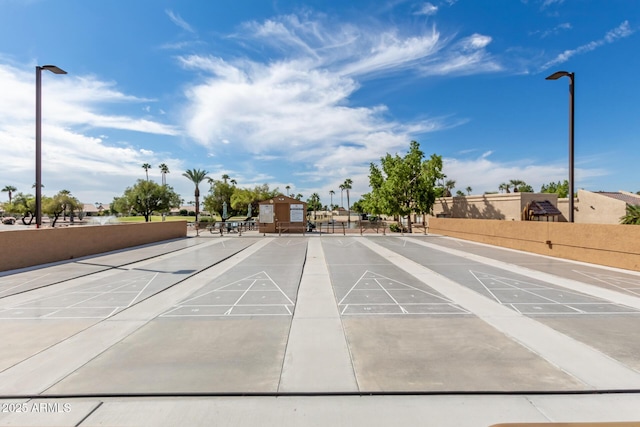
(54, 69)
(558, 74)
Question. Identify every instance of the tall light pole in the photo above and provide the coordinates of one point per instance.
(39, 69)
(572, 79)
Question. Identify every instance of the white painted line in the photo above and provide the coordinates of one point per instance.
(23, 283)
(592, 276)
(588, 365)
(142, 290)
(276, 285)
(596, 291)
(356, 284)
(394, 300)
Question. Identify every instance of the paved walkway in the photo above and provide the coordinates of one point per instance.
(331, 330)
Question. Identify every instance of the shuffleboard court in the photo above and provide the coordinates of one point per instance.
(228, 336)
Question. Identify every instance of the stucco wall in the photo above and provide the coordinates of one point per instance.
(507, 206)
(594, 208)
(605, 244)
(25, 248)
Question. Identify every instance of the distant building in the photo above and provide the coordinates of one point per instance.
(601, 207)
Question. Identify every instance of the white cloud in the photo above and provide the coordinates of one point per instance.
(547, 3)
(484, 174)
(427, 9)
(73, 156)
(297, 106)
(177, 19)
(621, 31)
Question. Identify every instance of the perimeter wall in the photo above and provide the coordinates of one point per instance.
(26, 248)
(604, 244)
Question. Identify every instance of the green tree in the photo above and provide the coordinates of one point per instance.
(404, 185)
(506, 187)
(220, 192)
(469, 190)
(9, 189)
(561, 189)
(164, 170)
(146, 167)
(449, 185)
(331, 193)
(196, 176)
(632, 215)
(460, 193)
(24, 205)
(519, 186)
(313, 203)
(62, 203)
(242, 198)
(147, 197)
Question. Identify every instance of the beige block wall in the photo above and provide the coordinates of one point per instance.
(506, 206)
(25, 248)
(605, 244)
(594, 208)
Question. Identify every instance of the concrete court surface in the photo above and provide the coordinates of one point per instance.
(327, 330)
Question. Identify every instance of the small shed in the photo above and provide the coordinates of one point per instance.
(537, 209)
(282, 214)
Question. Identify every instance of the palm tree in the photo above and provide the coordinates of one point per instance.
(449, 185)
(225, 178)
(146, 167)
(331, 193)
(504, 187)
(164, 170)
(287, 187)
(632, 216)
(469, 190)
(347, 186)
(9, 189)
(516, 183)
(233, 182)
(196, 176)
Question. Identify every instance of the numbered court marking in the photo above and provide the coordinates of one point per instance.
(624, 284)
(533, 298)
(375, 294)
(96, 301)
(255, 295)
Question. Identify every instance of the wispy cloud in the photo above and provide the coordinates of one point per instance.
(74, 121)
(298, 106)
(565, 26)
(547, 3)
(177, 19)
(621, 31)
(427, 9)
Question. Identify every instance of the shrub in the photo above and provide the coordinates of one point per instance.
(397, 228)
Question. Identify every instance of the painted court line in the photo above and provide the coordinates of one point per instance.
(585, 288)
(588, 365)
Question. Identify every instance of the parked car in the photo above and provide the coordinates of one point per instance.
(8, 220)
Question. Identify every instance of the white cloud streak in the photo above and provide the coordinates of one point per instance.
(621, 31)
(298, 106)
(177, 19)
(427, 9)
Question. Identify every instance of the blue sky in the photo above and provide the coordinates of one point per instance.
(307, 94)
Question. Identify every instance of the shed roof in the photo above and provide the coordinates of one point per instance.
(543, 208)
